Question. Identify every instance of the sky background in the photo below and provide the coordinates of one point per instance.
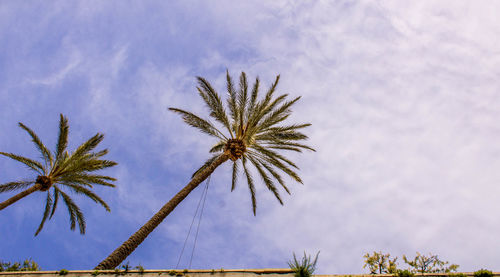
(403, 97)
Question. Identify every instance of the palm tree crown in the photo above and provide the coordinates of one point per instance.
(62, 171)
(254, 133)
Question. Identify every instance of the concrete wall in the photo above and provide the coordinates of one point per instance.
(155, 273)
(197, 273)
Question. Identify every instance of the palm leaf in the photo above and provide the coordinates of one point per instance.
(273, 154)
(253, 98)
(278, 115)
(207, 163)
(10, 186)
(83, 149)
(48, 206)
(267, 181)
(56, 200)
(36, 166)
(251, 186)
(275, 174)
(276, 163)
(75, 215)
(81, 190)
(199, 123)
(292, 127)
(231, 100)
(43, 150)
(214, 102)
(218, 147)
(242, 99)
(62, 141)
(234, 176)
(263, 104)
(289, 144)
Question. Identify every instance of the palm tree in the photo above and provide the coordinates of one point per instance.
(59, 171)
(253, 135)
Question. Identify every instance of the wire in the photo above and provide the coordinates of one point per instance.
(199, 221)
(192, 222)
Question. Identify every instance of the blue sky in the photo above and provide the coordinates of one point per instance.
(403, 99)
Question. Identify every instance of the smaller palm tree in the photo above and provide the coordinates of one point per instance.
(60, 171)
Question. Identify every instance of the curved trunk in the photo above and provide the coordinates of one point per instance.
(20, 195)
(124, 250)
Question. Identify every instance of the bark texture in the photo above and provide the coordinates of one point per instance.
(20, 195)
(124, 250)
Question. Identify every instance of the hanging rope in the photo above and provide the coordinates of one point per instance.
(203, 197)
(199, 221)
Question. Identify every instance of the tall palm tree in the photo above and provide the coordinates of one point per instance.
(253, 135)
(60, 171)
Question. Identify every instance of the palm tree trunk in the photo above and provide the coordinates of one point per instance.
(124, 250)
(20, 195)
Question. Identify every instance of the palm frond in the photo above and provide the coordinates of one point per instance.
(275, 174)
(281, 143)
(273, 154)
(218, 147)
(275, 135)
(234, 178)
(82, 190)
(283, 147)
(251, 186)
(242, 99)
(10, 186)
(214, 102)
(47, 156)
(75, 215)
(86, 179)
(231, 100)
(89, 165)
(82, 150)
(276, 163)
(48, 206)
(263, 104)
(253, 98)
(267, 181)
(87, 146)
(62, 141)
(207, 163)
(278, 115)
(287, 128)
(199, 123)
(255, 126)
(56, 200)
(36, 166)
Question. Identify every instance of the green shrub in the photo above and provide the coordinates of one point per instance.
(304, 267)
(483, 273)
(172, 272)
(63, 272)
(457, 274)
(404, 273)
(27, 265)
(140, 268)
(95, 272)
